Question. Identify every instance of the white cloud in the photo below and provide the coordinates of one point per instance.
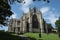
(52, 19)
(25, 7)
(45, 9)
(13, 15)
(4, 28)
(27, 2)
(50, 16)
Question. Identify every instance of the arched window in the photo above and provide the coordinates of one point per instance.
(27, 25)
(35, 22)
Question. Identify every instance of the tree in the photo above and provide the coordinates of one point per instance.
(49, 28)
(57, 23)
(5, 12)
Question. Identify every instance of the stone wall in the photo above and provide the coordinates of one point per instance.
(23, 22)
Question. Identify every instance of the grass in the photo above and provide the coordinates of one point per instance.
(9, 36)
(50, 36)
(12, 36)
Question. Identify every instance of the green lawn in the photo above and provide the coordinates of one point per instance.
(9, 36)
(12, 36)
(50, 36)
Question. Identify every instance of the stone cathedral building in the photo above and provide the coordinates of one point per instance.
(30, 22)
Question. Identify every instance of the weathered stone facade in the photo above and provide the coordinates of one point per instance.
(30, 22)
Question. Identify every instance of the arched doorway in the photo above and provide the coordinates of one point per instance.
(27, 25)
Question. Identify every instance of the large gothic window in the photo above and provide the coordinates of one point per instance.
(35, 22)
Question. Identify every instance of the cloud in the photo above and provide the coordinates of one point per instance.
(52, 19)
(27, 2)
(44, 9)
(50, 15)
(25, 7)
(13, 15)
(4, 28)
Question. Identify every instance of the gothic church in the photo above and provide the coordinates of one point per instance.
(30, 22)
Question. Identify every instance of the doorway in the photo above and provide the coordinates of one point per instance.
(27, 28)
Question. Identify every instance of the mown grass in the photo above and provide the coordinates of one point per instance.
(50, 36)
(9, 36)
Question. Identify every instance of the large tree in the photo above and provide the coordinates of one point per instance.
(49, 28)
(58, 25)
(5, 12)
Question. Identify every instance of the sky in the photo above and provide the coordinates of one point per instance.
(50, 11)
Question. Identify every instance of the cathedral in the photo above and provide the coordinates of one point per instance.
(29, 22)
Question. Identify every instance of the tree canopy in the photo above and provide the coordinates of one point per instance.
(5, 12)
(57, 23)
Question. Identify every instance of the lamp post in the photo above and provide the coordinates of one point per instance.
(40, 33)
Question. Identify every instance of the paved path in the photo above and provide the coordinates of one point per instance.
(22, 37)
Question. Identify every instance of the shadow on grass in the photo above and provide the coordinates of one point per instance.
(8, 36)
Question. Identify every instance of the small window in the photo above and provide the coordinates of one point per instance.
(18, 22)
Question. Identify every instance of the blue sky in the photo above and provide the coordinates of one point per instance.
(50, 11)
